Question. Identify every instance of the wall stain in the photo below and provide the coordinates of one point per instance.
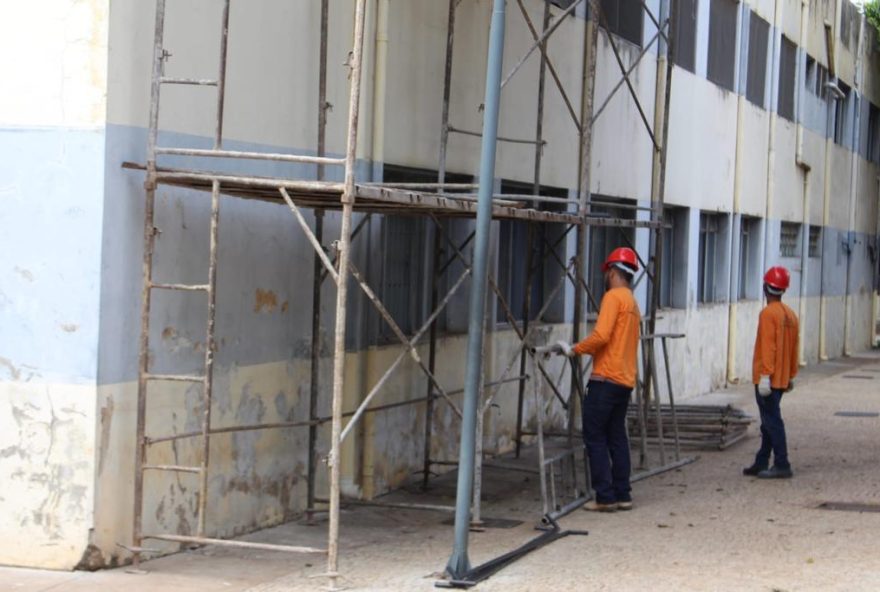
(14, 371)
(69, 327)
(106, 422)
(265, 301)
(25, 273)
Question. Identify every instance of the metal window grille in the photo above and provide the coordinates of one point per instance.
(674, 249)
(709, 228)
(624, 19)
(686, 35)
(749, 252)
(403, 271)
(789, 233)
(810, 74)
(722, 42)
(759, 31)
(744, 262)
(821, 80)
(513, 244)
(787, 76)
(815, 247)
(840, 114)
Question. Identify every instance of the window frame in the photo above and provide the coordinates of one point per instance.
(757, 57)
(721, 68)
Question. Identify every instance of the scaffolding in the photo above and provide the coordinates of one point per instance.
(435, 202)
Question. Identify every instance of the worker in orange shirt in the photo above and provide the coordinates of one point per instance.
(613, 344)
(774, 365)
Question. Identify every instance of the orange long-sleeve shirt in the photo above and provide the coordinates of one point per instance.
(614, 341)
(776, 346)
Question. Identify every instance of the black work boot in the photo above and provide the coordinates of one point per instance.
(753, 470)
(776, 473)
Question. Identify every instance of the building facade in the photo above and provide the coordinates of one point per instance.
(772, 159)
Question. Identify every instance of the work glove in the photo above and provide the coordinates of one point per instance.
(790, 386)
(764, 386)
(562, 348)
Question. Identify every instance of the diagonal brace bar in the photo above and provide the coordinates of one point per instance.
(546, 57)
(597, 9)
(411, 344)
(310, 235)
(550, 30)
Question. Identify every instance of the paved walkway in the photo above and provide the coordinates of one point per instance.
(703, 527)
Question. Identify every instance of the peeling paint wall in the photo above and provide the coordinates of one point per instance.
(70, 293)
(52, 115)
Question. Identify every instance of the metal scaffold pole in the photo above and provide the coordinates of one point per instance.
(459, 563)
(348, 198)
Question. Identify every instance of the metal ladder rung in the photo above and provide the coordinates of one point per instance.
(177, 468)
(184, 287)
(189, 81)
(175, 377)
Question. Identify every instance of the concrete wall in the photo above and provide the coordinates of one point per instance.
(51, 188)
(72, 295)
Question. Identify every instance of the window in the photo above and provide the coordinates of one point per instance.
(710, 247)
(406, 257)
(673, 272)
(789, 235)
(403, 272)
(604, 239)
(624, 19)
(815, 249)
(686, 35)
(821, 81)
(873, 134)
(810, 74)
(816, 77)
(562, 3)
(759, 31)
(513, 245)
(722, 42)
(787, 74)
(749, 287)
(840, 114)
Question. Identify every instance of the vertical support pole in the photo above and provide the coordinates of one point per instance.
(642, 418)
(447, 90)
(658, 407)
(530, 240)
(146, 290)
(209, 358)
(588, 85)
(539, 404)
(208, 394)
(527, 311)
(459, 564)
(322, 86)
(348, 198)
(315, 368)
(432, 360)
(671, 400)
(667, 10)
(221, 78)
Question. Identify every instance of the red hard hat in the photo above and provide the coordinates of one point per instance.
(777, 278)
(623, 255)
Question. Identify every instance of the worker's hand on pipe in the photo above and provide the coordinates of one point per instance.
(764, 386)
(563, 348)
